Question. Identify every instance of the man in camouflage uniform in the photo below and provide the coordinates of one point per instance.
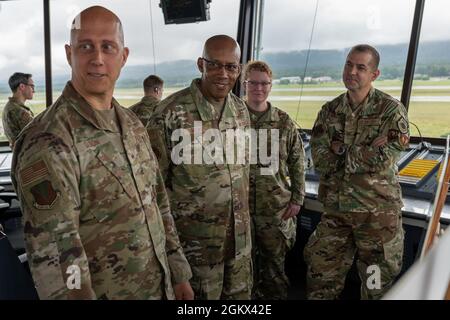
(276, 195)
(153, 90)
(356, 142)
(209, 199)
(97, 221)
(15, 114)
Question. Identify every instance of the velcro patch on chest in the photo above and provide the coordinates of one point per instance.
(369, 122)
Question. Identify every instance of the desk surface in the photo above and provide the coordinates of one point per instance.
(413, 207)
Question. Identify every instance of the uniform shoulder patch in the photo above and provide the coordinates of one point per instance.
(44, 195)
(33, 172)
(402, 125)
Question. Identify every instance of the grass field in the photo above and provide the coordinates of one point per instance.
(433, 118)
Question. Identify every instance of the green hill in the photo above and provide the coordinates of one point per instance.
(433, 60)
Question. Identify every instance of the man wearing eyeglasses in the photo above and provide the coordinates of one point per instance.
(15, 114)
(153, 91)
(276, 196)
(209, 199)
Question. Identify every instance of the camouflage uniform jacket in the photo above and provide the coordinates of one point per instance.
(15, 117)
(270, 194)
(86, 204)
(364, 178)
(145, 108)
(204, 197)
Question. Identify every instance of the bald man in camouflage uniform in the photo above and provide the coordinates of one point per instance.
(209, 200)
(276, 196)
(97, 220)
(16, 115)
(153, 90)
(356, 142)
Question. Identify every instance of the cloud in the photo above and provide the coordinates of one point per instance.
(287, 26)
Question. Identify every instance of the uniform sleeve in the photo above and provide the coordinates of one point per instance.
(143, 112)
(325, 161)
(46, 176)
(367, 159)
(296, 166)
(24, 118)
(159, 140)
(179, 266)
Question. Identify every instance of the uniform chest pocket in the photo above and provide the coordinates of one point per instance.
(368, 129)
(206, 146)
(237, 139)
(106, 187)
(119, 169)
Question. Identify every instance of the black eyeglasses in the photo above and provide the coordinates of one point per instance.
(30, 85)
(229, 67)
(257, 83)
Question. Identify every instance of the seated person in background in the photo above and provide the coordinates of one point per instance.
(15, 114)
(274, 201)
(153, 90)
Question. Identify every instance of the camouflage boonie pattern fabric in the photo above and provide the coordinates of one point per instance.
(269, 198)
(376, 237)
(209, 201)
(15, 117)
(228, 280)
(360, 192)
(86, 202)
(364, 178)
(144, 109)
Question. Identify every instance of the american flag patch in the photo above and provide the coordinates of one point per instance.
(34, 172)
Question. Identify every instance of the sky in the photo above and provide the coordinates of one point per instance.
(287, 25)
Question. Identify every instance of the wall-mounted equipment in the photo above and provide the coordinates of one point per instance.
(185, 11)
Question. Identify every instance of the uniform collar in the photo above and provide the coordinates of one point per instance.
(270, 115)
(85, 109)
(149, 100)
(206, 110)
(345, 106)
(17, 102)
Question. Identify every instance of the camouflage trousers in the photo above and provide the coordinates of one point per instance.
(270, 246)
(230, 280)
(377, 238)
